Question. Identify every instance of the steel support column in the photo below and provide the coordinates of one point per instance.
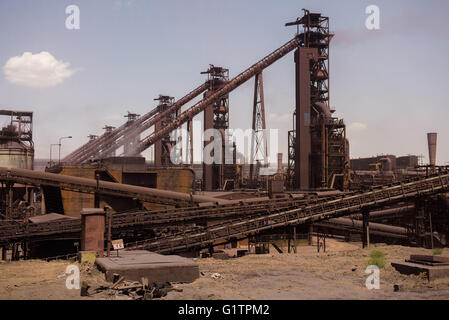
(216, 116)
(365, 237)
(303, 60)
(163, 147)
(258, 138)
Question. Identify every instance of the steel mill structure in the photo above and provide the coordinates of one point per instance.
(318, 155)
(16, 139)
(16, 151)
(214, 105)
(318, 149)
(163, 147)
(155, 204)
(241, 219)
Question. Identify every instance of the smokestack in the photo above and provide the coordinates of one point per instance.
(432, 142)
(280, 171)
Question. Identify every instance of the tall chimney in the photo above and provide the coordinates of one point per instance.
(280, 171)
(432, 142)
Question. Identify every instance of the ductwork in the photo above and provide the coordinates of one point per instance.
(323, 109)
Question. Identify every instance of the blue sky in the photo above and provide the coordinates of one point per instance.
(390, 85)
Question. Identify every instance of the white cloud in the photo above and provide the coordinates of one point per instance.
(38, 70)
(355, 127)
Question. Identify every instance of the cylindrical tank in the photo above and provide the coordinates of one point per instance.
(432, 142)
(15, 155)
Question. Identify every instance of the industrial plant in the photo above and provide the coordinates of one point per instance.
(142, 221)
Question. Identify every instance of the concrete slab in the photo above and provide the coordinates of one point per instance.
(133, 265)
(432, 272)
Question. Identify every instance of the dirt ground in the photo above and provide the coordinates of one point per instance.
(339, 273)
(41, 280)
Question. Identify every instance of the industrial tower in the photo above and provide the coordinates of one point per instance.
(318, 156)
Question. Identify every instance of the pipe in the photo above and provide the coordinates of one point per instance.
(388, 167)
(386, 212)
(104, 187)
(324, 109)
(357, 224)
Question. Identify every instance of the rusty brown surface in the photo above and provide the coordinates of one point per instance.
(92, 230)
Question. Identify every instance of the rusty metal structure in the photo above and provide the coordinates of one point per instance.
(92, 230)
(16, 151)
(84, 185)
(239, 219)
(216, 96)
(318, 156)
(134, 139)
(109, 143)
(108, 131)
(92, 137)
(223, 91)
(16, 139)
(317, 161)
(164, 146)
(20, 126)
(199, 238)
(216, 116)
(124, 170)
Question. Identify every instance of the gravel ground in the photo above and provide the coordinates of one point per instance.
(337, 274)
